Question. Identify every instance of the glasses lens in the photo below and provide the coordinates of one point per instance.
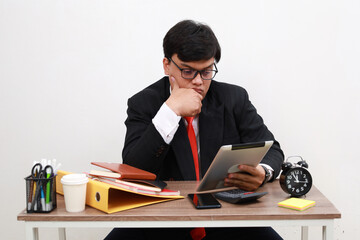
(188, 73)
(208, 74)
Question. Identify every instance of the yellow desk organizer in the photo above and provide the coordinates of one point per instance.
(110, 199)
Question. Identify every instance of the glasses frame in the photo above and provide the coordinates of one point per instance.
(196, 72)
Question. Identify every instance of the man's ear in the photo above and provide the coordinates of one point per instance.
(166, 65)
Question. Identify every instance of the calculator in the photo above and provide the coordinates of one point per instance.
(238, 196)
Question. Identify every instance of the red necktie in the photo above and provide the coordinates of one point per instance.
(196, 233)
(194, 149)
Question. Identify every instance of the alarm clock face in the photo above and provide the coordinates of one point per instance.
(296, 181)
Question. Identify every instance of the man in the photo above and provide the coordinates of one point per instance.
(220, 114)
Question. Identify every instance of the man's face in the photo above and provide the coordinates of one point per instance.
(198, 84)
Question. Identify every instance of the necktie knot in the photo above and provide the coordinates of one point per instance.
(189, 120)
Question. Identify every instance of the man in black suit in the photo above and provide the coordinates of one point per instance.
(157, 140)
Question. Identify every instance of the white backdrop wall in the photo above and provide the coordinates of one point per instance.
(67, 69)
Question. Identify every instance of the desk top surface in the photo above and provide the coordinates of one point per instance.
(264, 208)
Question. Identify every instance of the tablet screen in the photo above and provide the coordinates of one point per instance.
(227, 160)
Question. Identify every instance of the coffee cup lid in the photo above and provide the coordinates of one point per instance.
(74, 179)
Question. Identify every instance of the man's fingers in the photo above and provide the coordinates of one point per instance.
(249, 169)
(184, 101)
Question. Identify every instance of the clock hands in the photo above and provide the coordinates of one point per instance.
(296, 179)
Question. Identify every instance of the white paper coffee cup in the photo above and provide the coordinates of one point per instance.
(74, 187)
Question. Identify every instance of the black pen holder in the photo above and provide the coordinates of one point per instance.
(40, 194)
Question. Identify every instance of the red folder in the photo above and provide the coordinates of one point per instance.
(126, 171)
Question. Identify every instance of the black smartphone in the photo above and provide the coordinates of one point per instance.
(204, 201)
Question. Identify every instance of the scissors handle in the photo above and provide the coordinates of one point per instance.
(48, 171)
(36, 170)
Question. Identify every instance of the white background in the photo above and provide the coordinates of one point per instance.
(67, 69)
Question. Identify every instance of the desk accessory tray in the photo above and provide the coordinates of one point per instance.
(40, 194)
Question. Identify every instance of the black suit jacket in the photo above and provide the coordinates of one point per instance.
(227, 117)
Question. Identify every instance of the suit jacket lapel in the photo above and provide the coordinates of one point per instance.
(211, 128)
(182, 151)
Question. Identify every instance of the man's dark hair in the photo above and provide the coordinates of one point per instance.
(192, 41)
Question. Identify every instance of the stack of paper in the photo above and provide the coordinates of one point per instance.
(297, 204)
(130, 178)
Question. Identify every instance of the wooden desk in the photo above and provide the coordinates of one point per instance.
(181, 213)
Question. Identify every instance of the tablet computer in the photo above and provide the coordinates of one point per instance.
(227, 160)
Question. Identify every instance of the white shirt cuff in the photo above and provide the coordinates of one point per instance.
(271, 170)
(166, 123)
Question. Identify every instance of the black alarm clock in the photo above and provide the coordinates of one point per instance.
(295, 179)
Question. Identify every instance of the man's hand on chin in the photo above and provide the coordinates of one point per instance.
(185, 102)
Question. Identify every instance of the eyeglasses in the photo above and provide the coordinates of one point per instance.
(190, 74)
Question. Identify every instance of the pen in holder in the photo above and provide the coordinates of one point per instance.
(40, 193)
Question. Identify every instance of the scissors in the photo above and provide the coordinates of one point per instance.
(37, 172)
(38, 175)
